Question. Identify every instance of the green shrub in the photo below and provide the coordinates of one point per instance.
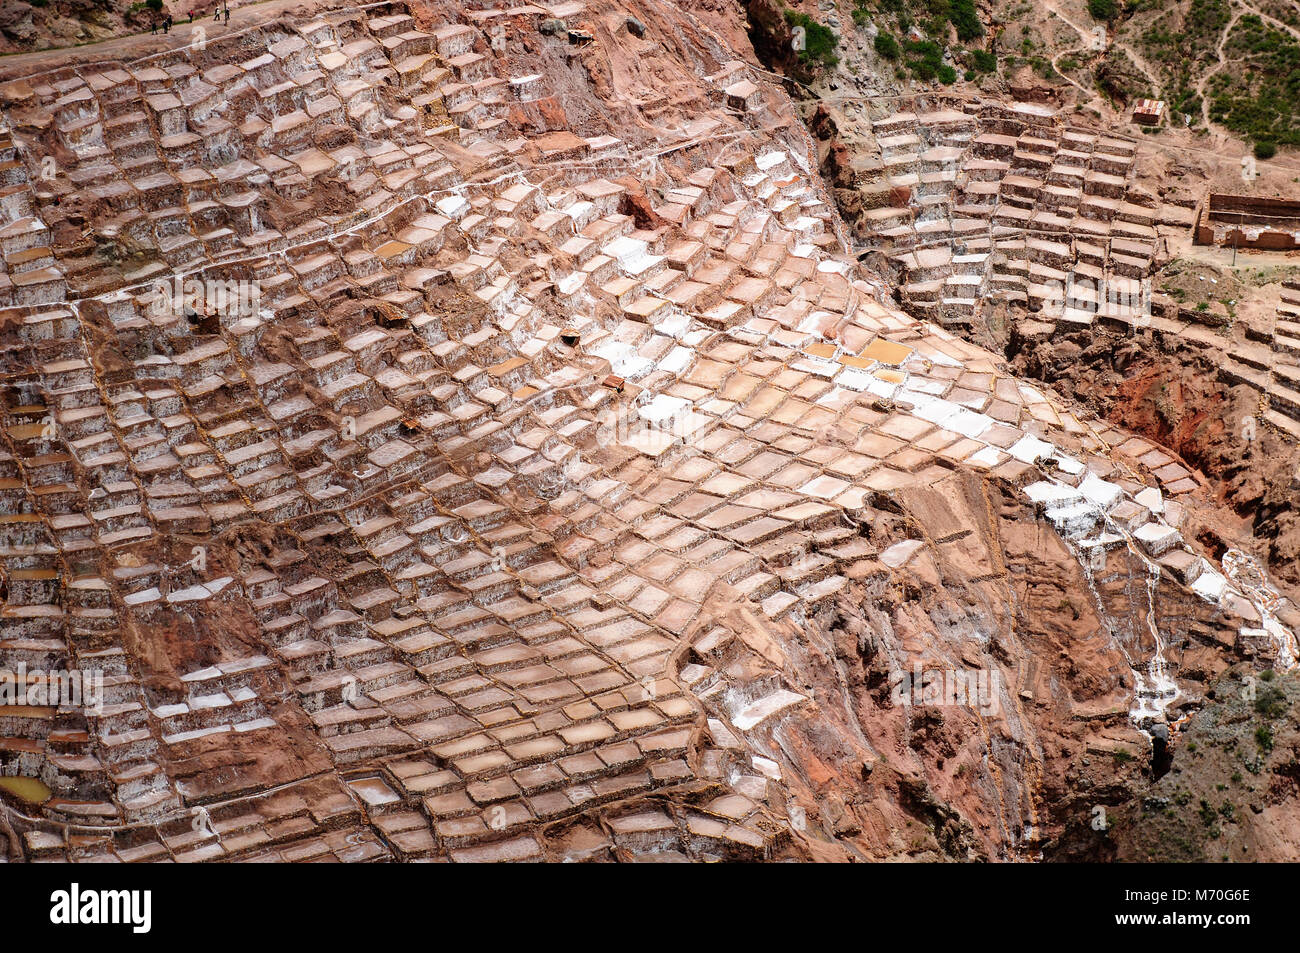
(1264, 738)
(984, 61)
(926, 59)
(964, 18)
(947, 75)
(1265, 149)
(887, 46)
(1208, 814)
(1271, 702)
(819, 41)
(1103, 9)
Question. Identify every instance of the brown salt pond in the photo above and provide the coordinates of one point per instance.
(32, 790)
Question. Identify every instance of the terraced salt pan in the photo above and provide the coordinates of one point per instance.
(1099, 492)
(760, 711)
(623, 358)
(987, 457)
(946, 414)
(1210, 585)
(858, 380)
(201, 591)
(1029, 449)
(897, 555)
(677, 361)
(1251, 580)
(632, 255)
(662, 408)
(1076, 511)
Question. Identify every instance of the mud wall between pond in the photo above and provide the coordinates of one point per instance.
(1279, 220)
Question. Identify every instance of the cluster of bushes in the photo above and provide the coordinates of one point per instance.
(1103, 9)
(1185, 45)
(1186, 102)
(819, 41)
(1271, 702)
(1260, 98)
(964, 19)
(925, 60)
(960, 13)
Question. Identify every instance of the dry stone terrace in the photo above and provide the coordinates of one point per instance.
(986, 204)
(474, 477)
(1002, 200)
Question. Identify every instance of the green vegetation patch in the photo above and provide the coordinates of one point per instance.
(1183, 47)
(820, 41)
(1103, 9)
(1271, 702)
(1259, 96)
(925, 59)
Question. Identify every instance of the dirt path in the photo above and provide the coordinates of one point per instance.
(125, 49)
(1089, 96)
(1222, 61)
(1084, 34)
(1242, 10)
(1140, 62)
(1270, 20)
(1088, 37)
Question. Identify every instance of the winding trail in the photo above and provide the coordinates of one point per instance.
(1241, 9)
(1222, 61)
(1086, 36)
(1272, 21)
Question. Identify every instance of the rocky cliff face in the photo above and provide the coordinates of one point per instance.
(54, 24)
(1174, 395)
